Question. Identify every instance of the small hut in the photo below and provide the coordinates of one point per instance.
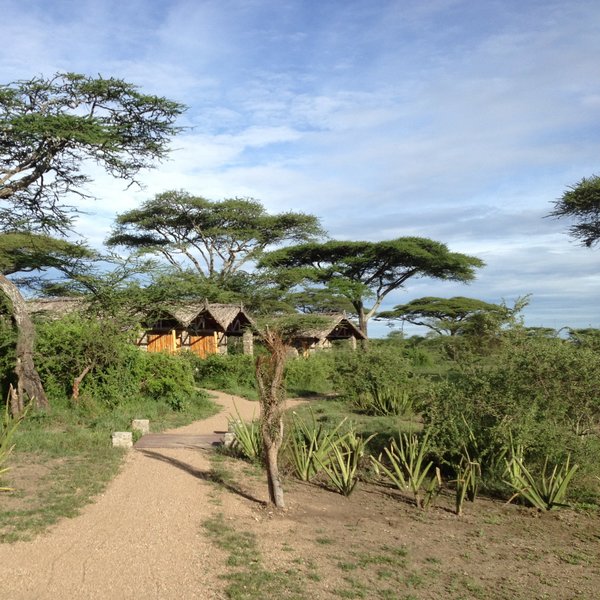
(201, 328)
(54, 308)
(337, 327)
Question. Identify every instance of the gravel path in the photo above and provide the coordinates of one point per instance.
(142, 538)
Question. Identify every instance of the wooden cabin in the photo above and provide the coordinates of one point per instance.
(337, 328)
(205, 328)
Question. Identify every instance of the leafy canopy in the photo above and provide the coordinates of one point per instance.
(582, 203)
(27, 252)
(50, 126)
(213, 238)
(451, 316)
(359, 270)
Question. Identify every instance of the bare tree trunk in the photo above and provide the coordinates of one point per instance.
(271, 391)
(17, 406)
(77, 382)
(29, 384)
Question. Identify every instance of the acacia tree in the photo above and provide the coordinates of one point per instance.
(26, 253)
(49, 127)
(449, 316)
(359, 271)
(582, 203)
(214, 239)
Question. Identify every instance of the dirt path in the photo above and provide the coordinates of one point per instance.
(142, 538)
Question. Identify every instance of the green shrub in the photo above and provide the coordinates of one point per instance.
(342, 464)
(231, 373)
(544, 392)
(310, 444)
(310, 375)
(120, 372)
(167, 377)
(379, 367)
(546, 492)
(405, 466)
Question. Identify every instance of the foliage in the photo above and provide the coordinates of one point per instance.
(407, 467)
(168, 378)
(443, 315)
(24, 252)
(581, 202)
(384, 401)
(586, 338)
(342, 464)
(312, 374)
(549, 491)
(214, 239)
(119, 371)
(50, 126)
(247, 442)
(8, 427)
(376, 368)
(231, 373)
(311, 444)
(468, 473)
(545, 392)
(359, 271)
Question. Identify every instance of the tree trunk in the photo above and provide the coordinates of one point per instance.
(273, 478)
(271, 392)
(77, 382)
(363, 322)
(29, 384)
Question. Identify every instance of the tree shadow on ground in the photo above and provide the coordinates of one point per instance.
(210, 475)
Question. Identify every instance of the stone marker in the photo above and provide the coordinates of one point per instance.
(141, 425)
(122, 439)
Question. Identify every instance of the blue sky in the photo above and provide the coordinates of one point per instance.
(460, 121)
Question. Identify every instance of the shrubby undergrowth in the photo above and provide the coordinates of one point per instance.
(539, 393)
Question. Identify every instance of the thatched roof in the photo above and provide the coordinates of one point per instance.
(54, 307)
(223, 314)
(328, 330)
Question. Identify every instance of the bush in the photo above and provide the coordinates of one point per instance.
(379, 367)
(120, 372)
(543, 392)
(230, 373)
(310, 375)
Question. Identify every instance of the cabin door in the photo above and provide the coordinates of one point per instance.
(203, 345)
(164, 341)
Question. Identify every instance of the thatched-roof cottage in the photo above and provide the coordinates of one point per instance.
(54, 308)
(336, 327)
(204, 329)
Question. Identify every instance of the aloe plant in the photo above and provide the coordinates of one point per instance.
(407, 468)
(247, 437)
(468, 473)
(310, 445)
(544, 493)
(385, 401)
(342, 464)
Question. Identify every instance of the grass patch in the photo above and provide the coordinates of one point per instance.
(247, 578)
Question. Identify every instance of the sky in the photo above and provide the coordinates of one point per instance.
(459, 121)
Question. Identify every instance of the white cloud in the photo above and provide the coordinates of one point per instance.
(453, 120)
